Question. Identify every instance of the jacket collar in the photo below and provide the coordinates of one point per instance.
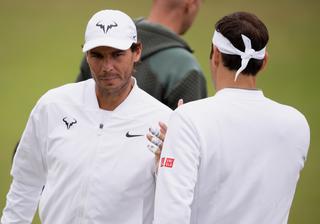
(91, 101)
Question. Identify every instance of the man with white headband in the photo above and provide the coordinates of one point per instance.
(85, 142)
(234, 157)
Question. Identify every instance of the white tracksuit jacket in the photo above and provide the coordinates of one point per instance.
(233, 158)
(94, 163)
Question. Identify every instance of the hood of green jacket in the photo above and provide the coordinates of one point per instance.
(155, 37)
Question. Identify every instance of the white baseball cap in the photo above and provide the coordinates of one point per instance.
(110, 28)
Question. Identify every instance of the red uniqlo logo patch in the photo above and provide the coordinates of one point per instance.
(167, 162)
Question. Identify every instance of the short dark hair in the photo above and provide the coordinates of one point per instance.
(235, 24)
(134, 47)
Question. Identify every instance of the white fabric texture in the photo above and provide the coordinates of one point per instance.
(92, 171)
(226, 47)
(234, 158)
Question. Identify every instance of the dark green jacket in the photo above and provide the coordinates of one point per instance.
(168, 71)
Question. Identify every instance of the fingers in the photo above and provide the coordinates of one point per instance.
(155, 140)
(163, 130)
(156, 137)
(157, 152)
(155, 132)
(159, 133)
(154, 149)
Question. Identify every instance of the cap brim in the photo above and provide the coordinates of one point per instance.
(118, 44)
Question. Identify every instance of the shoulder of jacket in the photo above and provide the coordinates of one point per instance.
(63, 93)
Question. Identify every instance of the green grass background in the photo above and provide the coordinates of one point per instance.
(40, 49)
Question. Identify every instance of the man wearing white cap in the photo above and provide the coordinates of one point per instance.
(234, 157)
(167, 70)
(85, 142)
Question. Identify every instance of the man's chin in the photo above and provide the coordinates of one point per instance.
(109, 82)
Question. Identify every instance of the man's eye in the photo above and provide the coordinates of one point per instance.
(97, 56)
(117, 54)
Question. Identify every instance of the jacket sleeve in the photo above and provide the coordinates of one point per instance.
(178, 171)
(192, 87)
(22, 202)
(84, 71)
(28, 171)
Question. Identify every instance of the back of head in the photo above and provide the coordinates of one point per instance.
(169, 4)
(232, 27)
(175, 14)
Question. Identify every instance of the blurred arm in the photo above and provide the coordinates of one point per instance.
(192, 87)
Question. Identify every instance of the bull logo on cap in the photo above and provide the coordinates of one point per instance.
(103, 26)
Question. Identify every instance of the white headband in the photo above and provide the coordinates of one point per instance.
(226, 47)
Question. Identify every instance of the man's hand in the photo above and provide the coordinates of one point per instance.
(156, 137)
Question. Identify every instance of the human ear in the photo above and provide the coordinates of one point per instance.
(265, 61)
(216, 57)
(137, 52)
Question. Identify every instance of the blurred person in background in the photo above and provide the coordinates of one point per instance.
(235, 157)
(85, 142)
(168, 71)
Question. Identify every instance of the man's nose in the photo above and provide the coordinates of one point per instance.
(107, 64)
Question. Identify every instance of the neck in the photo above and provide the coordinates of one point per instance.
(111, 100)
(225, 79)
(169, 19)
